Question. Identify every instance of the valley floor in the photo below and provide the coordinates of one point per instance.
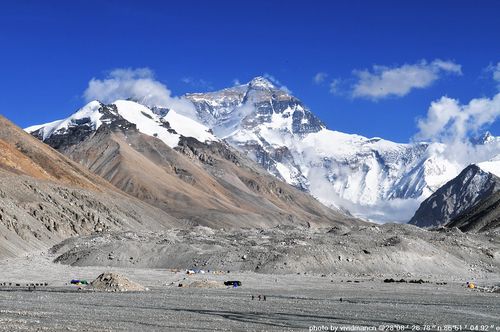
(298, 302)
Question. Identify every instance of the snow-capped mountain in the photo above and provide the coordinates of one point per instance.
(475, 184)
(177, 165)
(471, 186)
(371, 177)
(249, 105)
(167, 125)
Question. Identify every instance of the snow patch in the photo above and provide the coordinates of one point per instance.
(89, 111)
(188, 127)
(145, 120)
(151, 124)
(492, 166)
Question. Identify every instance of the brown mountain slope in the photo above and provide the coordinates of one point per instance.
(15, 161)
(24, 154)
(45, 198)
(208, 184)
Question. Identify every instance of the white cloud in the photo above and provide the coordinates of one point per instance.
(335, 86)
(495, 71)
(448, 66)
(452, 123)
(399, 81)
(197, 83)
(320, 77)
(138, 84)
(448, 120)
(277, 83)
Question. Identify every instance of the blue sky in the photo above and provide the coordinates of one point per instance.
(50, 50)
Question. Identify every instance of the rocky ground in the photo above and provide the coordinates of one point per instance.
(294, 302)
(313, 280)
(390, 249)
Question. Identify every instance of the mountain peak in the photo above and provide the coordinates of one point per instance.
(261, 83)
(167, 126)
(486, 138)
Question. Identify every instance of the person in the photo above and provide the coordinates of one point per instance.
(265, 299)
(258, 297)
(253, 297)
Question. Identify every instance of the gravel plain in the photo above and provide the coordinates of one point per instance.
(294, 302)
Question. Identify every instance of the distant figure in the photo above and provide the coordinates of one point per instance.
(340, 299)
(253, 297)
(265, 299)
(259, 297)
